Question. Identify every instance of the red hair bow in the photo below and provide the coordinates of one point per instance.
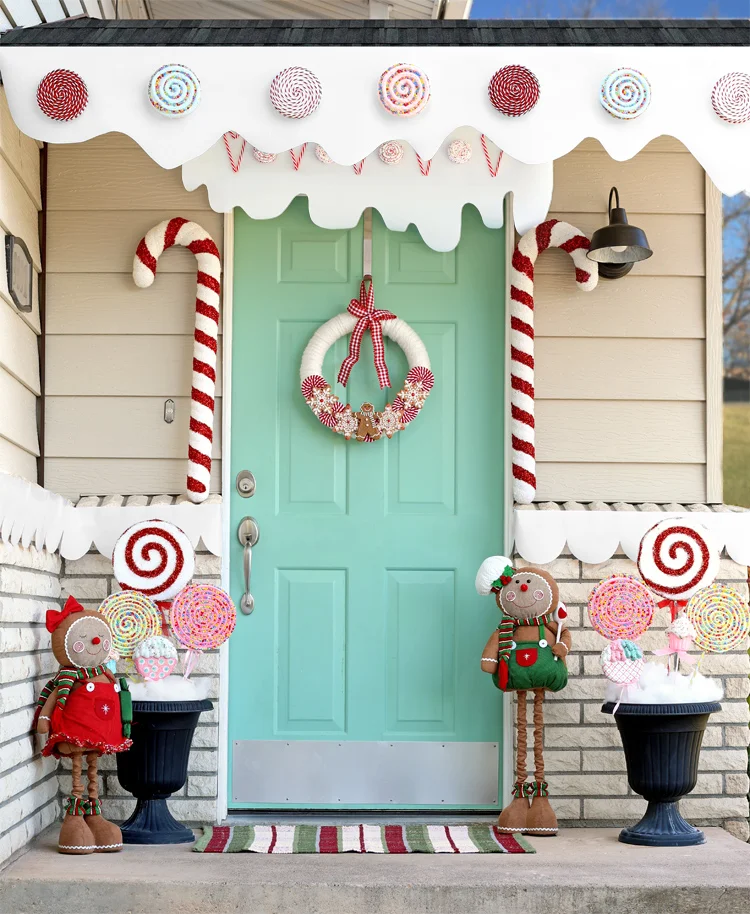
(55, 617)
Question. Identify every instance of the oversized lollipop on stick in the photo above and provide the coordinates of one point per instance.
(720, 617)
(676, 558)
(132, 617)
(155, 558)
(621, 607)
(203, 617)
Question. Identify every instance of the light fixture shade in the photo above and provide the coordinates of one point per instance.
(619, 242)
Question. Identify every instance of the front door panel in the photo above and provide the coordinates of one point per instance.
(362, 651)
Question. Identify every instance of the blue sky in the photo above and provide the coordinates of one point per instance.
(607, 9)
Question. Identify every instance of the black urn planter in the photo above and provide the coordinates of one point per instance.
(155, 767)
(662, 744)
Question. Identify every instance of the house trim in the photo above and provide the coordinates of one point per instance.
(507, 734)
(714, 343)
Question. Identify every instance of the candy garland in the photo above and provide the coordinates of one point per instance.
(721, 618)
(513, 90)
(322, 156)
(391, 153)
(155, 558)
(295, 92)
(297, 159)
(549, 234)
(202, 618)
(424, 168)
(62, 95)
(459, 152)
(625, 93)
(730, 98)
(196, 239)
(174, 90)
(133, 617)
(265, 158)
(404, 90)
(493, 169)
(676, 558)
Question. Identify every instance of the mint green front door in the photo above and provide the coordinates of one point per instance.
(356, 681)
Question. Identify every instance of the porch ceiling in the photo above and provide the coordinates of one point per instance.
(116, 60)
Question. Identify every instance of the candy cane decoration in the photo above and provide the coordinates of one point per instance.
(551, 234)
(197, 240)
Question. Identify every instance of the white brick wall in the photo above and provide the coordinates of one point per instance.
(90, 579)
(583, 753)
(29, 586)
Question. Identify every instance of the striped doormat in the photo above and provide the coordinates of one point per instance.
(360, 839)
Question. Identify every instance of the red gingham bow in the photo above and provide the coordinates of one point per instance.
(368, 318)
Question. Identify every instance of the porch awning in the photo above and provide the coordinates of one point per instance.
(350, 121)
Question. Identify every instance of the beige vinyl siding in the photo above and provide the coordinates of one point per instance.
(115, 353)
(20, 204)
(624, 391)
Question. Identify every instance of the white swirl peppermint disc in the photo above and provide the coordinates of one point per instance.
(677, 557)
(459, 152)
(391, 152)
(265, 158)
(155, 558)
(731, 98)
(404, 90)
(295, 92)
(322, 156)
(625, 93)
(174, 90)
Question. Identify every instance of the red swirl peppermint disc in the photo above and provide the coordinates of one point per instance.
(514, 90)
(296, 92)
(155, 558)
(62, 95)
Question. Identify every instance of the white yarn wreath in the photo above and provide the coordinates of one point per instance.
(365, 424)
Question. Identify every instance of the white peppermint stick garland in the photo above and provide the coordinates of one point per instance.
(196, 239)
(550, 234)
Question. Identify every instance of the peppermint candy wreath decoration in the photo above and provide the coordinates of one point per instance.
(366, 424)
(155, 558)
(514, 90)
(62, 95)
(731, 98)
(625, 93)
(174, 90)
(196, 239)
(404, 90)
(552, 234)
(391, 153)
(295, 92)
(676, 558)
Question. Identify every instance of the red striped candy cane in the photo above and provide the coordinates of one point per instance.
(196, 239)
(551, 234)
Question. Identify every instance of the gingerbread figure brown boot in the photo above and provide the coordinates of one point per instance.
(107, 835)
(513, 819)
(541, 820)
(75, 835)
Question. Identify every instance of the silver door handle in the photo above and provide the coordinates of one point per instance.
(248, 534)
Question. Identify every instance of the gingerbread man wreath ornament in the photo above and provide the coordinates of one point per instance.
(80, 712)
(527, 652)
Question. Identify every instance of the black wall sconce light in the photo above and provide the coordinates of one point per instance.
(20, 272)
(617, 246)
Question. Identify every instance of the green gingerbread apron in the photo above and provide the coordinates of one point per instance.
(532, 665)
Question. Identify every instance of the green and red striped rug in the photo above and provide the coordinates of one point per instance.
(359, 839)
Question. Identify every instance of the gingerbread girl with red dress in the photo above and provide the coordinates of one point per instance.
(79, 710)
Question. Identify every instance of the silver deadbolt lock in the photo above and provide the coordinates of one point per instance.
(245, 483)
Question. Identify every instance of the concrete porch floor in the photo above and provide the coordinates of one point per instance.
(586, 871)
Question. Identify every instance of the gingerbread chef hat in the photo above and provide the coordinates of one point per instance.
(494, 573)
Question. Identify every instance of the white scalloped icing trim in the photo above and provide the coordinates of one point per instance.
(595, 536)
(33, 516)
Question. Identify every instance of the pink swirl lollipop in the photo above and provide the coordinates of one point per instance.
(202, 617)
(404, 90)
(621, 607)
(676, 558)
(155, 558)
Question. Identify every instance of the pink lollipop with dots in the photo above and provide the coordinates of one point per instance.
(621, 607)
(203, 617)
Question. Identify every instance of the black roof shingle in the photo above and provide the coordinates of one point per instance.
(354, 32)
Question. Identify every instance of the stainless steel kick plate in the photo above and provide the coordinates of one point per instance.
(379, 774)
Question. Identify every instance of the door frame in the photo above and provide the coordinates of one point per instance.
(222, 798)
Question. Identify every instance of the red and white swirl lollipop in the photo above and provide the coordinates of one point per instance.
(676, 558)
(155, 558)
(62, 95)
(296, 92)
(513, 90)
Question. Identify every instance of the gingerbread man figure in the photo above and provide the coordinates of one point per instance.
(79, 711)
(527, 652)
(367, 429)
